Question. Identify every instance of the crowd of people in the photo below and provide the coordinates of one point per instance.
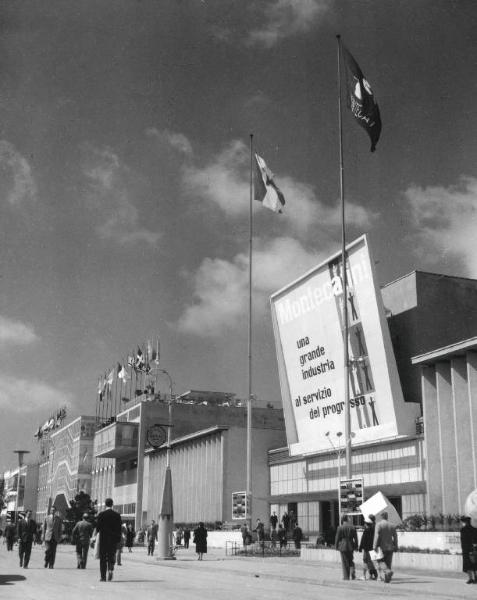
(110, 535)
(107, 538)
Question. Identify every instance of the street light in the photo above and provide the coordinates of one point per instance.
(166, 515)
(339, 453)
(20, 453)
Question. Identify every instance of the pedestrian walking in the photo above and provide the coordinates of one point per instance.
(385, 538)
(200, 540)
(26, 530)
(186, 538)
(108, 527)
(151, 537)
(9, 535)
(297, 535)
(121, 544)
(468, 543)
(129, 536)
(51, 536)
(366, 545)
(82, 532)
(346, 542)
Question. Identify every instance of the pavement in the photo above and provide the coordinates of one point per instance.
(217, 577)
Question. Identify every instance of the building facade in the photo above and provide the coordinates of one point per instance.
(430, 470)
(208, 440)
(66, 458)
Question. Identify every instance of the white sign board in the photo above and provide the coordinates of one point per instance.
(309, 336)
(378, 504)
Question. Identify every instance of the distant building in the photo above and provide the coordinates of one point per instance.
(66, 457)
(22, 482)
(207, 456)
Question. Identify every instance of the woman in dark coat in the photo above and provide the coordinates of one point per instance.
(366, 545)
(200, 540)
(468, 537)
(130, 534)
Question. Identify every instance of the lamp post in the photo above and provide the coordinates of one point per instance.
(166, 515)
(20, 453)
(339, 453)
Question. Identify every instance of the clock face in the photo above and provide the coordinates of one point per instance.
(156, 435)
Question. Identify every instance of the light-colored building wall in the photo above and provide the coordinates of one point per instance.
(449, 391)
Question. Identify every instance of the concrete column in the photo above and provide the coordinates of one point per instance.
(447, 433)
(463, 439)
(472, 399)
(431, 441)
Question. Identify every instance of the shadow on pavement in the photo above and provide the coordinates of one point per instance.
(9, 579)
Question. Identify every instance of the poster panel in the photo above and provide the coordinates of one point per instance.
(351, 495)
(309, 336)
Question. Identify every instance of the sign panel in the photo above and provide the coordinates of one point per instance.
(351, 496)
(309, 336)
(239, 505)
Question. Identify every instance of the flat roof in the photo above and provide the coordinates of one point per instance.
(446, 352)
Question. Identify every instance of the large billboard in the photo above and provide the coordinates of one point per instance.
(309, 336)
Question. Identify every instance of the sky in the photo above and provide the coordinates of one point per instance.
(124, 189)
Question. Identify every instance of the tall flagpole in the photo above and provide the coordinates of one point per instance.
(249, 395)
(344, 281)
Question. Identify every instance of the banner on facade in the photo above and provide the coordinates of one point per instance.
(309, 336)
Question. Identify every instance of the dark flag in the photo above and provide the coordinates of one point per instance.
(361, 99)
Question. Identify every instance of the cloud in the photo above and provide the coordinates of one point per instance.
(177, 141)
(224, 181)
(221, 287)
(21, 186)
(286, 18)
(446, 222)
(110, 182)
(15, 332)
(22, 395)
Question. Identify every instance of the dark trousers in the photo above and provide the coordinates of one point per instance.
(82, 554)
(347, 565)
(107, 557)
(10, 543)
(50, 553)
(150, 547)
(186, 543)
(24, 552)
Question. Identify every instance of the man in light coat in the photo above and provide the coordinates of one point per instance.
(385, 538)
(52, 530)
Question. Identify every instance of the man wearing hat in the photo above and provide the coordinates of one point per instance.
(82, 532)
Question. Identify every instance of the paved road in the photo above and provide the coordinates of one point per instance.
(217, 577)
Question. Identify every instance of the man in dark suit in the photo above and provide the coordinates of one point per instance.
(346, 541)
(52, 530)
(108, 527)
(26, 531)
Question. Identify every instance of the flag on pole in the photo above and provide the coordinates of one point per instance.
(122, 373)
(266, 190)
(139, 360)
(361, 99)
